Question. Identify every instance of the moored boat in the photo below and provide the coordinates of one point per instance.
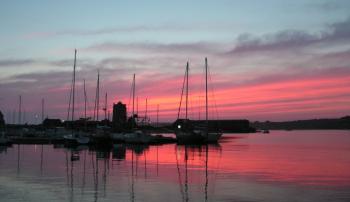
(187, 133)
(4, 140)
(76, 139)
(137, 137)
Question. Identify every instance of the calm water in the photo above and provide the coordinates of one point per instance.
(280, 166)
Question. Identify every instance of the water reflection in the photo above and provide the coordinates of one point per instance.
(178, 172)
(191, 152)
(119, 152)
(99, 167)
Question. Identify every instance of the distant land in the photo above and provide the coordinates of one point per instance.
(335, 123)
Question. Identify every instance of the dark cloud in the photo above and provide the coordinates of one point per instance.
(292, 39)
(326, 6)
(130, 29)
(287, 39)
(331, 5)
(170, 27)
(16, 62)
(340, 30)
(198, 47)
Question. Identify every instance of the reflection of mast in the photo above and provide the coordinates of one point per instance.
(18, 158)
(132, 177)
(104, 177)
(137, 164)
(67, 168)
(96, 179)
(41, 159)
(84, 172)
(144, 153)
(179, 175)
(186, 177)
(206, 173)
(157, 159)
(71, 180)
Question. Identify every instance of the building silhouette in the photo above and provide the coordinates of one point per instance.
(2, 121)
(119, 116)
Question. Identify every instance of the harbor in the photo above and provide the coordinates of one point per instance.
(133, 129)
(175, 101)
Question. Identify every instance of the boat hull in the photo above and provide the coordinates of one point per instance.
(212, 137)
(197, 137)
(73, 140)
(137, 137)
(188, 137)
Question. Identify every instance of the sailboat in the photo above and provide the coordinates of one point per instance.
(188, 133)
(74, 138)
(184, 132)
(101, 136)
(136, 136)
(209, 136)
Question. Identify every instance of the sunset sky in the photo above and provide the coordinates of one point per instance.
(269, 60)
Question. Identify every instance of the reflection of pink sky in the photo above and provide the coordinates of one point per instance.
(313, 159)
(319, 158)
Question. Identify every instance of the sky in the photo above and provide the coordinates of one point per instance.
(268, 60)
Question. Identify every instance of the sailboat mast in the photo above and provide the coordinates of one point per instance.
(182, 93)
(146, 111)
(133, 96)
(14, 116)
(206, 119)
(186, 89)
(98, 94)
(85, 97)
(133, 102)
(24, 116)
(105, 109)
(206, 92)
(158, 115)
(137, 105)
(70, 99)
(42, 109)
(20, 109)
(75, 59)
